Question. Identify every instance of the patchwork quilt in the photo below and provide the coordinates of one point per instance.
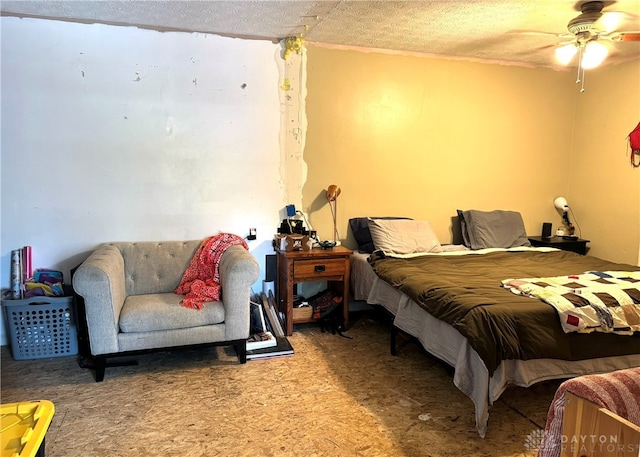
(603, 301)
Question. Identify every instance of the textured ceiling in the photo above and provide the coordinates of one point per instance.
(491, 30)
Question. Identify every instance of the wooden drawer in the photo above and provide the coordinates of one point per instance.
(318, 268)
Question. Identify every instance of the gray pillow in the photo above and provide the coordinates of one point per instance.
(492, 229)
(362, 234)
(463, 229)
(402, 236)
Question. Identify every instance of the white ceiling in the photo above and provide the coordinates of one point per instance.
(489, 30)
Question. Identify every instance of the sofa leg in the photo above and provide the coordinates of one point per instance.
(241, 349)
(100, 364)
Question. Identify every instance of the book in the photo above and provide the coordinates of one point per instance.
(261, 340)
(281, 349)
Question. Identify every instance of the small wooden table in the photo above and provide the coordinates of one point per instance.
(331, 265)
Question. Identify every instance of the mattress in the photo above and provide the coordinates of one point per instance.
(441, 339)
(465, 291)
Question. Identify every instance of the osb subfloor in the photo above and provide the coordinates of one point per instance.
(334, 397)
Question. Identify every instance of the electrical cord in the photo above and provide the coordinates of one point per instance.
(309, 228)
(304, 218)
(573, 216)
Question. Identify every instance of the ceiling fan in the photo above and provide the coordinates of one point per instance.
(587, 31)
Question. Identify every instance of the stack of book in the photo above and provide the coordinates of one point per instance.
(268, 339)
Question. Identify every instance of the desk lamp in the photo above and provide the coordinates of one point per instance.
(332, 197)
(563, 207)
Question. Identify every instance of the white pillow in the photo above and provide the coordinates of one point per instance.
(403, 236)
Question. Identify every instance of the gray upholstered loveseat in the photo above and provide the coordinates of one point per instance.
(130, 305)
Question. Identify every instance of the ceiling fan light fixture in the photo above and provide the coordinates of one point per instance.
(565, 53)
(610, 21)
(593, 55)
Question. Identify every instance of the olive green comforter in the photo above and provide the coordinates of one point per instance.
(465, 291)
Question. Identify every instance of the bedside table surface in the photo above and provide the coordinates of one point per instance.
(555, 240)
(337, 251)
(579, 245)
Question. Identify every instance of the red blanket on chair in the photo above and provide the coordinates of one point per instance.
(201, 281)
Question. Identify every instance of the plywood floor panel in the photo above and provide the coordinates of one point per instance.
(334, 397)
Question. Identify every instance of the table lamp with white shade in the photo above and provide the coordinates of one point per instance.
(563, 208)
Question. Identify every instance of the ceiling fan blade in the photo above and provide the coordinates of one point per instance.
(538, 33)
(624, 36)
(630, 36)
(531, 33)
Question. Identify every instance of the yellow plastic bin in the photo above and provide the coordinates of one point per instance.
(24, 426)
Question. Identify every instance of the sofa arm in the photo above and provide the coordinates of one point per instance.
(238, 272)
(100, 281)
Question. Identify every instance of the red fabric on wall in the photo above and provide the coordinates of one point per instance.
(634, 142)
(634, 139)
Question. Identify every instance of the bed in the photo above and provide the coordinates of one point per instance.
(487, 351)
(595, 415)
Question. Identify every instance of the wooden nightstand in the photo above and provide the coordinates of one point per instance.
(331, 265)
(579, 245)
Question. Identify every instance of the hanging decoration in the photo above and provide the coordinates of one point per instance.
(634, 144)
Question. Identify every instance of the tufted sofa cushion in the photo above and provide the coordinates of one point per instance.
(155, 267)
(151, 312)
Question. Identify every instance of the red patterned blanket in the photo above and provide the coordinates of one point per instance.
(201, 281)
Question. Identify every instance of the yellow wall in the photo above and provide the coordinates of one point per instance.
(604, 189)
(422, 137)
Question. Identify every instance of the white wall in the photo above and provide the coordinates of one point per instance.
(118, 133)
